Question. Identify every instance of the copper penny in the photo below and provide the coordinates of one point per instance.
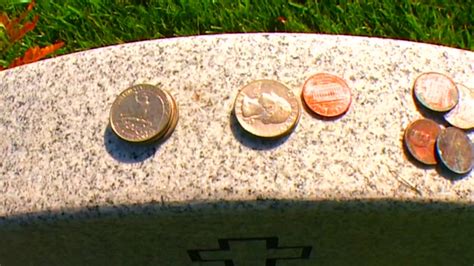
(420, 138)
(327, 95)
(436, 91)
(140, 113)
(455, 150)
(266, 108)
(462, 116)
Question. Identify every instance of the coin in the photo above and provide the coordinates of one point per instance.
(455, 150)
(462, 116)
(266, 108)
(140, 113)
(420, 138)
(327, 95)
(436, 91)
(174, 116)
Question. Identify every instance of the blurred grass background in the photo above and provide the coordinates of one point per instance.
(86, 24)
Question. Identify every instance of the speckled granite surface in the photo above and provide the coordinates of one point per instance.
(57, 153)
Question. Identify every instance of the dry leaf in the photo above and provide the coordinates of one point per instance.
(36, 53)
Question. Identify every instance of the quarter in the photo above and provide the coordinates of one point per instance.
(420, 138)
(141, 113)
(436, 91)
(327, 95)
(267, 108)
(455, 150)
(462, 116)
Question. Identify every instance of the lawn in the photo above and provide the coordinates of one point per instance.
(84, 24)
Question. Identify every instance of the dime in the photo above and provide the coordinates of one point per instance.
(436, 91)
(266, 108)
(327, 95)
(420, 138)
(455, 150)
(141, 113)
(462, 116)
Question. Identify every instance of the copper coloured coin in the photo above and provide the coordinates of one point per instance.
(462, 116)
(436, 91)
(455, 150)
(267, 108)
(327, 95)
(420, 138)
(141, 113)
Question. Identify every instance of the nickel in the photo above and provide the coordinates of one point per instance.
(455, 150)
(462, 116)
(436, 91)
(327, 95)
(266, 108)
(420, 138)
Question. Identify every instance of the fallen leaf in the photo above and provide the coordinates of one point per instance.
(36, 53)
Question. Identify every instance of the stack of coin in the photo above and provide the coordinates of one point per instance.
(427, 141)
(144, 113)
(267, 109)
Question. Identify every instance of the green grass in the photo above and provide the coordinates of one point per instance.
(94, 23)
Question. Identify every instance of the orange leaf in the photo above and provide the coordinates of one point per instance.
(12, 25)
(4, 19)
(18, 34)
(36, 53)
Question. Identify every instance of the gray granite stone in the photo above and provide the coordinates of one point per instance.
(62, 167)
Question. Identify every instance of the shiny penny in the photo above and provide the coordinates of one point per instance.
(436, 91)
(420, 138)
(462, 116)
(327, 95)
(140, 113)
(266, 108)
(455, 150)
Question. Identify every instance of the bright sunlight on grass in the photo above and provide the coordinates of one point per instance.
(87, 24)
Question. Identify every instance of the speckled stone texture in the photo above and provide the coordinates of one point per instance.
(59, 157)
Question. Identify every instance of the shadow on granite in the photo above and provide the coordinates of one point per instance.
(125, 152)
(262, 233)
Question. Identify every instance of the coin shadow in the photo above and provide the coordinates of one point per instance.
(126, 152)
(254, 142)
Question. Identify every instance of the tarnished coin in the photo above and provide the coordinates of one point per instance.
(267, 108)
(455, 150)
(436, 91)
(140, 113)
(420, 138)
(462, 116)
(327, 95)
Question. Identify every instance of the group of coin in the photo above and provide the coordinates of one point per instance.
(430, 143)
(269, 109)
(144, 113)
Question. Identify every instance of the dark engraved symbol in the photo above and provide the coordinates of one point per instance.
(249, 251)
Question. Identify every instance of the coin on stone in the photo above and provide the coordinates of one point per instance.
(327, 95)
(174, 116)
(455, 150)
(462, 116)
(436, 91)
(141, 113)
(267, 108)
(420, 138)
